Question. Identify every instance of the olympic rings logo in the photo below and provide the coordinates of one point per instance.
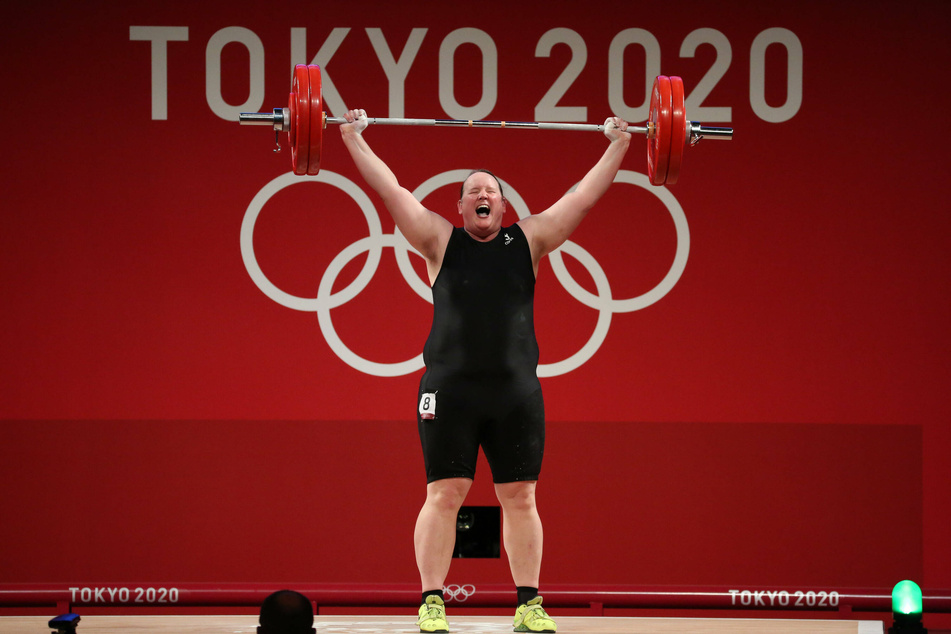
(459, 593)
(373, 245)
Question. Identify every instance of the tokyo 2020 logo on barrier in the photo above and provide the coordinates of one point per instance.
(373, 245)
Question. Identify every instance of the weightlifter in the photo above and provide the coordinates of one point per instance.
(480, 387)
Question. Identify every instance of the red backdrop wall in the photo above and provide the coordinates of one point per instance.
(774, 411)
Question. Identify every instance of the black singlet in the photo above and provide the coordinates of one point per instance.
(481, 358)
(483, 316)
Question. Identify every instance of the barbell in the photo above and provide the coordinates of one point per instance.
(668, 130)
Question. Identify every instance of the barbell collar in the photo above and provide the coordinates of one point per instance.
(279, 119)
(699, 131)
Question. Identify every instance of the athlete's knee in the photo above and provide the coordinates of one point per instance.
(448, 494)
(516, 496)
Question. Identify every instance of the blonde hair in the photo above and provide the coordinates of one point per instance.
(462, 188)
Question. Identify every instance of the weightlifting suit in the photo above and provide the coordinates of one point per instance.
(480, 386)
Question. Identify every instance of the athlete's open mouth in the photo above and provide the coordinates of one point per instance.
(483, 210)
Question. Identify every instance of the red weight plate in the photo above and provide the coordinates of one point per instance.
(316, 120)
(658, 146)
(300, 119)
(678, 129)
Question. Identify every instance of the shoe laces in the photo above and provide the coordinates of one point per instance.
(434, 611)
(535, 612)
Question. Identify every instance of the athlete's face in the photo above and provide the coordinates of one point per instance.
(482, 206)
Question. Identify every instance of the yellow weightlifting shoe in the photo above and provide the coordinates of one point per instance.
(531, 617)
(432, 615)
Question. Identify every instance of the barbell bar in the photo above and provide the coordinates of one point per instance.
(668, 131)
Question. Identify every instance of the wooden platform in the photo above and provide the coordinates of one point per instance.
(459, 624)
